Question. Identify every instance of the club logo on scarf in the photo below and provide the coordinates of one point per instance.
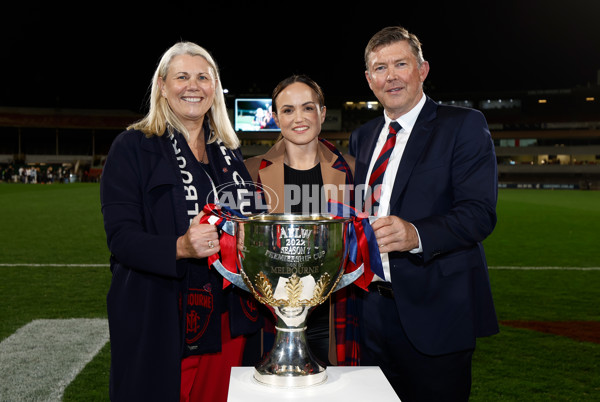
(199, 309)
(250, 308)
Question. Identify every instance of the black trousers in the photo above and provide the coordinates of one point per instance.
(413, 375)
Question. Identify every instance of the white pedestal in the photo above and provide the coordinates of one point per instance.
(343, 384)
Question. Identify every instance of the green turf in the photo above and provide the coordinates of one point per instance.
(546, 228)
(546, 295)
(62, 224)
(524, 365)
(30, 293)
(58, 223)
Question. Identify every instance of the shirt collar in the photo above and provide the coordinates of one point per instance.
(408, 120)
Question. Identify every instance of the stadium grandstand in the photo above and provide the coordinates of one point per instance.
(543, 139)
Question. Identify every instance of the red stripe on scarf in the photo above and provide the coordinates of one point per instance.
(227, 242)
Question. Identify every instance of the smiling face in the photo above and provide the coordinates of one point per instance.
(189, 88)
(395, 77)
(299, 114)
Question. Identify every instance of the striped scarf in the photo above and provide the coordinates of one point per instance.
(344, 300)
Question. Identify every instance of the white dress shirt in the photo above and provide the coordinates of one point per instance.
(407, 121)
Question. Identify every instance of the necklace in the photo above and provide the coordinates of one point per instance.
(201, 160)
(196, 147)
(200, 157)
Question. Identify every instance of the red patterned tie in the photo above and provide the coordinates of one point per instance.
(381, 164)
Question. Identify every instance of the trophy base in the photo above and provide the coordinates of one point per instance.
(290, 381)
(290, 364)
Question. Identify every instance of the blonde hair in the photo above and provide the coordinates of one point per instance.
(160, 117)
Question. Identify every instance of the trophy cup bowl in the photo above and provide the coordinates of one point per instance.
(291, 264)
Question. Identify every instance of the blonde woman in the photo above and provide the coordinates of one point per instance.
(169, 317)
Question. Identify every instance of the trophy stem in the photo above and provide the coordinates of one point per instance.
(290, 363)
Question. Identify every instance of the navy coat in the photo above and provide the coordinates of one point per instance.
(140, 192)
(447, 187)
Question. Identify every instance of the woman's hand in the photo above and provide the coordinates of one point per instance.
(200, 241)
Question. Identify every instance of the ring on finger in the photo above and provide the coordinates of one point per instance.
(210, 244)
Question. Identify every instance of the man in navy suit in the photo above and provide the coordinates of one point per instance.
(422, 314)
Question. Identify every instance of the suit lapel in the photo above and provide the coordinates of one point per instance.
(164, 172)
(414, 148)
(161, 177)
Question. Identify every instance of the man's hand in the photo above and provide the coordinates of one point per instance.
(395, 234)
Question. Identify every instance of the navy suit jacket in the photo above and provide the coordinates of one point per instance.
(446, 186)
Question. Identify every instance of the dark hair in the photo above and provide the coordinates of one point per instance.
(391, 35)
(293, 79)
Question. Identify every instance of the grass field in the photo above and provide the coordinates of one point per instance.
(62, 225)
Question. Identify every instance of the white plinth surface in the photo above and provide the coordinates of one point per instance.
(343, 384)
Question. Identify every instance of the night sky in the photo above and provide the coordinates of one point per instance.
(103, 54)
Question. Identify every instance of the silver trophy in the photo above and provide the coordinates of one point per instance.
(290, 263)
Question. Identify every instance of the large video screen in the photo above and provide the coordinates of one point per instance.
(254, 114)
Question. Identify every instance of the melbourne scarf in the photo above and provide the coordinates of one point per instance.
(203, 298)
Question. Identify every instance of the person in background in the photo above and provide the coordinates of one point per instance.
(296, 168)
(174, 331)
(432, 170)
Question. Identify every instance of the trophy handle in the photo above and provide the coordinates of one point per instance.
(348, 278)
(236, 279)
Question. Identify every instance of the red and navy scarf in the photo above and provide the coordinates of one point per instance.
(203, 297)
(344, 300)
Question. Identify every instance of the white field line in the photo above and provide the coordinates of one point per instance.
(40, 359)
(55, 265)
